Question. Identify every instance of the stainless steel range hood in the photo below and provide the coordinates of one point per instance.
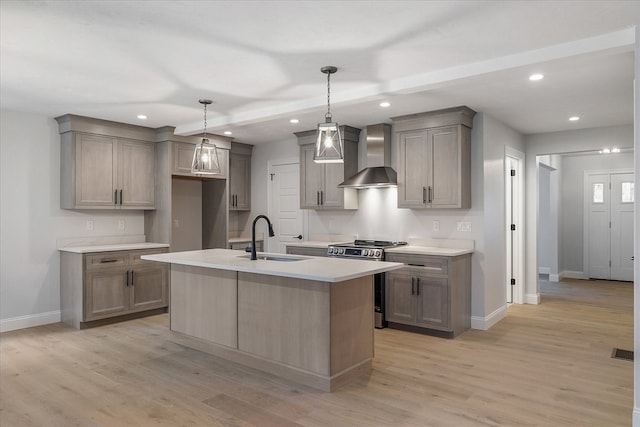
(378, 173)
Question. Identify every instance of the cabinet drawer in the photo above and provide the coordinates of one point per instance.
(422, 264)
(134, 256)
(105, 260)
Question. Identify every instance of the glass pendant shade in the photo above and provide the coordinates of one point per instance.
(329, 148)
(205, 159)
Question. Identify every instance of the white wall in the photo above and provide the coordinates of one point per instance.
(636, 293)
(31, 220)
(557, 143)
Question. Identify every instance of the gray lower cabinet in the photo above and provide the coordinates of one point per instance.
(432, 294)
(104, 285)
(307, 250)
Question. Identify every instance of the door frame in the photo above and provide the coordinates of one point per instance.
(585, 212)
(519, 211)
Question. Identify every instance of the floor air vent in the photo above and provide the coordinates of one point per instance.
(622, 354)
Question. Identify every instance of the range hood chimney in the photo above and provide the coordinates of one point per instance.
(378, 173)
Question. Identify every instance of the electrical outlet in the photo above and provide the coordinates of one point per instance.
(464, 226)
(176, 223)
(90, 225)
(121, 224)
(436, 225)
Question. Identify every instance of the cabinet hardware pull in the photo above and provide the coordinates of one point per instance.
(235, 200)
(424, 195)
(322, 197)
(416, 265)
(120, 197)
(115, 197)
(127, 273)
(131, 277)
(104, 261)
(318, 198)
(430, 198)
(417, 285)
(413, 284)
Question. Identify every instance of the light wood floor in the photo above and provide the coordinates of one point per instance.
(545, 365)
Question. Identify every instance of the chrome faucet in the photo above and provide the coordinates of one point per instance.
(253, 234)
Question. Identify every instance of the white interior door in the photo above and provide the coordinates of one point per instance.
(610, 226)
(622, 201)
(284, 204)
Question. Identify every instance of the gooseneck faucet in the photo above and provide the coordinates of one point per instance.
(253, 234)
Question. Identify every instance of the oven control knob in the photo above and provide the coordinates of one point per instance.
(365, 252)
(378, 253)
(330, 250)
(371, 254)
(340, 251)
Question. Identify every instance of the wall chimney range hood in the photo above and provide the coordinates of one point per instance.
(378, 173)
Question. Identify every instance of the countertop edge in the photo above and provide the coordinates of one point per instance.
(113, 247)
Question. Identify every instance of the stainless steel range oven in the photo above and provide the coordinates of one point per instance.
(372, 250)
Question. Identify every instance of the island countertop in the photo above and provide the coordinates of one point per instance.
(308, 268)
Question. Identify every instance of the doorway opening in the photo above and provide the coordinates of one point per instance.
(284, 203)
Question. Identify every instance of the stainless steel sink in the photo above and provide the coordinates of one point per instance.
(276, 258)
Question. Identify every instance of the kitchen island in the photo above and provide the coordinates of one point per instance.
(307, 319)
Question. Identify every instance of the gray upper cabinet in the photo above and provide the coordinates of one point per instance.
(319, 181)
(106, 165)
(240, 177)
(434, 159)
(183, 157)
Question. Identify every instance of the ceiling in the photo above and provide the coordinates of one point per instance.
(259, 61)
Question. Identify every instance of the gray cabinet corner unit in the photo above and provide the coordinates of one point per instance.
(434, 159)
(319, 181)
(106, 165)
(240, 177)
(101, 287)
(432, 294)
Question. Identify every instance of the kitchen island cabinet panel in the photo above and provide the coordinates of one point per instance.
(204, 304)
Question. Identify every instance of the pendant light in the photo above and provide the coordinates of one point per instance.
(329, 148)
(205, 157)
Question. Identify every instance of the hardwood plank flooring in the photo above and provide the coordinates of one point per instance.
(544, 365)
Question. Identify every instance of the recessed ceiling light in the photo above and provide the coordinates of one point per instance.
(228, 132)
(294, 121)
(615, 150)
(385, 104)
(574, 118)
(536, 77)
(142, 117)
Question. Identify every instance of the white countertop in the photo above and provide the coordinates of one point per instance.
(243, 239)
(429, 250)
(308, 268)
(112, 247)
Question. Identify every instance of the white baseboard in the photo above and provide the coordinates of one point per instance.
(29, 321)
(572, 275)
(544, 270)
(636, 417)
(532, 298)
(554, 278)
(484, 323)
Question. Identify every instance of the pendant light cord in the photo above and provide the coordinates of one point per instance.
(205, 121)
(328, 115)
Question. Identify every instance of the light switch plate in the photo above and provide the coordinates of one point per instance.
(90, 224)
(464, 226)
(121, 224)
(436, 225)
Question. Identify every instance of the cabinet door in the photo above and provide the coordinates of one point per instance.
(106, 293)
(239, 182)
(400, 302)
(95, 178)
(311, 178)
(445, 170)
(332, 196)
(433, 302)
(137, 174)
(149, 287)
(414, 163)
